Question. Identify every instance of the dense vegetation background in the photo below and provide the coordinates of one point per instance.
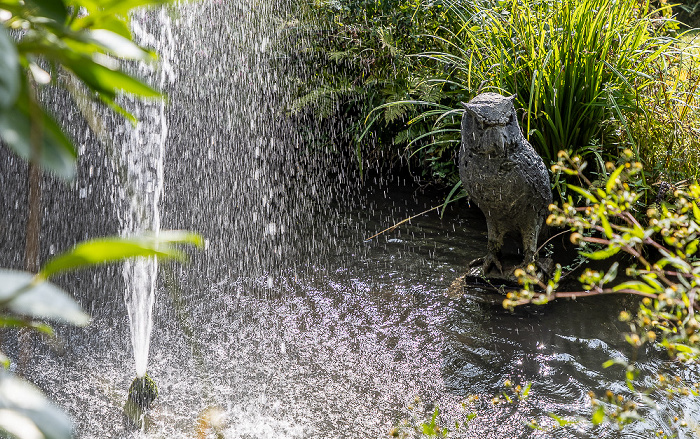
(594, 77)
(615, 82)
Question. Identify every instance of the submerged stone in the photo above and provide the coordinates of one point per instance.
(142, 392)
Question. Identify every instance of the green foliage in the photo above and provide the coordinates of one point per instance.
(688, 12)
(666, 132)
(22, 294)
(357, 57)
(27, 414)
(564, 61)
(576, 69)
(41, 39)
(27, 299)
(433, 426)
(665, 273)
(101, 251)
(593, 76)
(418, 426)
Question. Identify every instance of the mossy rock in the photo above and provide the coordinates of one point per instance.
(142, 392)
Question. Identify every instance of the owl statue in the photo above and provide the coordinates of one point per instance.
(503, 175)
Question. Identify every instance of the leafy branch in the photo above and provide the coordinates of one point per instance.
(665, 272)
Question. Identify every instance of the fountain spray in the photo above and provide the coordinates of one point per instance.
(142, 155)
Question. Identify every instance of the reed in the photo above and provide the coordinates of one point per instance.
(578, 69)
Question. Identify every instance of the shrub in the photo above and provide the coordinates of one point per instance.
(665, 273)
(353, 57)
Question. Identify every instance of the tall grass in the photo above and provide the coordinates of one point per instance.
(576, 68)
(667, 131)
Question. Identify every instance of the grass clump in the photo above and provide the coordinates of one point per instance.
(668, 129)
(591, 76)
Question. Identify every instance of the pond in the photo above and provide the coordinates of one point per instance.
(341, 345)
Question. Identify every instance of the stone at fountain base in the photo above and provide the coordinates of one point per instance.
(142, 392)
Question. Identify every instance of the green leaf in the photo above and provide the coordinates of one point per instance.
(613, 177)
(56, 151)
(179, 237)
(590, 197)
(604, 222)
(53, 9)
(17, 322)
(26, 413)
(636, 285)
(22, 294)
(98, 20)
(107, 80)
(629, 379)
(601, 254)
(611, 274)
(696, 211)
(615, 361)
(598, 415)
(118, 45)
(449, 199)
(429, 429)
(561, 421)
(124, 6)
(102, 251)
(683, 348)
(9, 66)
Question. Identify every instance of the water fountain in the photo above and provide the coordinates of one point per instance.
(141, 152)
(287, 325)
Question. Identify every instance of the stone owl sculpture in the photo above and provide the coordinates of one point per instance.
(503, 175)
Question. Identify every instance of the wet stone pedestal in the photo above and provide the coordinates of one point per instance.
(494, 280)
(142, 392)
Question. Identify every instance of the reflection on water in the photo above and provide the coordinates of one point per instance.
(341, 349)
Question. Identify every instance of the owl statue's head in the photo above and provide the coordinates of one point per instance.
(487, 123)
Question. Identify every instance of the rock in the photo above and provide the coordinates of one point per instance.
(142, 392)
(504, 176)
